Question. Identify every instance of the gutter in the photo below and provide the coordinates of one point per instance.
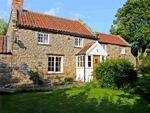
(60, 32)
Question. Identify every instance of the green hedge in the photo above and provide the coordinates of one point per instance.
(144, 68)
(116, 74)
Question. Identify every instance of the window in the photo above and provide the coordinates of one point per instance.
(103, 58)
(78, 42)
(81, 61)
(89, 61)
(104, 46)
(43, 38)
(55, 64)
(122, 50)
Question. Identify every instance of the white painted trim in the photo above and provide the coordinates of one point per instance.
(124, 41)
(55, 63)
(43, 35)
(78, 42)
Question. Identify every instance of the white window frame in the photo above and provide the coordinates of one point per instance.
(104, 46)
(61, 68)
(79, 61)
(89, 61)
(78, 42)
(43, 38)
(122, 50)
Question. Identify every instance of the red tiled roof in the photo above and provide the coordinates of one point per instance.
(112, 39)
(84, 49)
(38, 20)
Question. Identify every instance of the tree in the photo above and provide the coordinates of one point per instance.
(3, 26)
(133, 24)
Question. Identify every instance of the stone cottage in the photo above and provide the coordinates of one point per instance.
(57, 47)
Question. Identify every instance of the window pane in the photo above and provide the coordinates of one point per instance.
(48, 68)
(89, 58)
(52, 68)
(81, 58)
(56, 69)
(53, 59)
(80, 41)
(56, 59)
(89, 64)
(49, 58)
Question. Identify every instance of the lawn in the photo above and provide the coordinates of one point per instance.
(74, 100)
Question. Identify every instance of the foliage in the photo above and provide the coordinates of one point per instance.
(35, 78)
(143, 87)
(68, 79)
(3, 27)
(116, 74)
(133, 23)
(144, 68)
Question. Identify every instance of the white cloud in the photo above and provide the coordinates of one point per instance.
(57, 8)
(58, 3)
(88, 17)
(77, 15)
(3, 11)
(9, 2)
(51, 12)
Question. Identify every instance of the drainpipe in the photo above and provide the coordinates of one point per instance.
(84, 67)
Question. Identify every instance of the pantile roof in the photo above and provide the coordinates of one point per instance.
(38, 20)
(84, 49)
(112, 39)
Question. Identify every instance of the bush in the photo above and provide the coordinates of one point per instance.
(144, 68)
(116, 74)
(143, 87)
(68, 79)
(35, 78)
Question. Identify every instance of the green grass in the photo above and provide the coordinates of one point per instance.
(76, 100)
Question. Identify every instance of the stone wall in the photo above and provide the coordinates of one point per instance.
(28, 55)
(114, 53)
(5, 68)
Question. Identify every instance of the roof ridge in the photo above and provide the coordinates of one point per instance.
(50, 15)
(106, 33)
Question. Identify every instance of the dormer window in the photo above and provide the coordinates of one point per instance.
(43, 38)
(78, 42)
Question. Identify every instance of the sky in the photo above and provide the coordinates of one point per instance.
(97, 14)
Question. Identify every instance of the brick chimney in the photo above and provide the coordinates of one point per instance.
(17, 4)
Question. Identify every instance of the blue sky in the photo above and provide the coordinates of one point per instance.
(97, 14)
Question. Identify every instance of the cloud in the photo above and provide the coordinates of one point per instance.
(77, 15)
(88, 17)
(58, 3)
(9, 2)
(4, 12)
(57, 8)
(51, 12)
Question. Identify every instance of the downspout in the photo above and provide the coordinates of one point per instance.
(84, 67)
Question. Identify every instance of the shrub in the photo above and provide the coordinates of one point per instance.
(144, 68)
(116, 74)
(68, 79)
(143, 87)
(35, 78)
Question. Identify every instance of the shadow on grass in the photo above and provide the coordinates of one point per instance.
(59, 101)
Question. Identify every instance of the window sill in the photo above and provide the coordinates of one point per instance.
(78, 46)
(55, 73)
(43, 44)
(122, 53)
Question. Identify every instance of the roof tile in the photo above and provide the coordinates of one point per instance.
(38, 20)
(112, 39)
